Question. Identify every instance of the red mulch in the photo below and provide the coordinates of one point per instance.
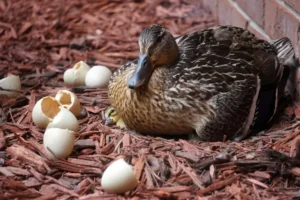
(40, 39)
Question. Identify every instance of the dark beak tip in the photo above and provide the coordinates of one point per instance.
(131, 84)
(107, 121)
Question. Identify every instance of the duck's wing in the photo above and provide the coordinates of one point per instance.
(213, 62)
(222, 54)
(213, 46)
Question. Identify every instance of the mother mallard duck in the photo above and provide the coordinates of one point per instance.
(218, 82)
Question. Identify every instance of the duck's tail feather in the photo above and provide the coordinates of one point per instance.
(268, 97)
(285, 51)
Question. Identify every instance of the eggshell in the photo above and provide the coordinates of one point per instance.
(69, 101)
(98, 77)
(64, 120)
(69, 77)
(81, 69)
(59, 141)
(44, 111)
(11, 82)
(119, 177)
(76, 75)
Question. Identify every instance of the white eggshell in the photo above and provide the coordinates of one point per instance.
(11, 82)
(98, 77)
(64, 120)
(69, 101)
(59, 141)
(81, 69)
(69, 77)
(119, 177)
(44, 111)
(76, 75)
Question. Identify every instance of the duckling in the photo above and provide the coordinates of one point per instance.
(215, 83)
(112, 118)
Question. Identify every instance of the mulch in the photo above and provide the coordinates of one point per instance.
(40, 39)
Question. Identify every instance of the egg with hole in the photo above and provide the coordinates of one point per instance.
(64, 120)
(98, 77)
(76, 75)
(119, 177)
(58, 143)
(44, 111)
(11, 82)
(69, 101)
(47, 112)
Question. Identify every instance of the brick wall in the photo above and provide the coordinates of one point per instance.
(267, 19)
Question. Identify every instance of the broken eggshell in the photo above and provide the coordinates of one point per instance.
(119, 177)
(64, 120)
(44, 111)
(11, 82)
(69, 101)
(58, 143)
(76, 75)
(47, 112)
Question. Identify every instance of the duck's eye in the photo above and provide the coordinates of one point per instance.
(111, 112)
(144, 62)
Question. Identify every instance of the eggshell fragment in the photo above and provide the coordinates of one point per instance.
(76, 75)
(64, 120)
(119, 177)
(69, 101)
(11, 82)
(44, 111)
(59, 141)
(98, 77)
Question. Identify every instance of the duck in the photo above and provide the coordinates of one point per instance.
(214, 84)
(112, 118)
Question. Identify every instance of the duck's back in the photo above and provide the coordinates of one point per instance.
(222, 45)
(233, 71)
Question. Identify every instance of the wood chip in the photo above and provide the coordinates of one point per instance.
(27, 156)
(217, 185)
(256, 182)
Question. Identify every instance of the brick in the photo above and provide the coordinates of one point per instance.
(228, 15)
(294, 4)
(254, 8)
(280, 22)
(242, 4)
(271, 26)
(212, 5)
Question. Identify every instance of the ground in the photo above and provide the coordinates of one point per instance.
(39, 40)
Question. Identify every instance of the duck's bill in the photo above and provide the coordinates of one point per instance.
(108, 121)
(142, 73)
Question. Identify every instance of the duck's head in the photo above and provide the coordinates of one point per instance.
(158, 48)
(112, 118)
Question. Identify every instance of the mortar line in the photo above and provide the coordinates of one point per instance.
(290, 9)
(250, 21)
